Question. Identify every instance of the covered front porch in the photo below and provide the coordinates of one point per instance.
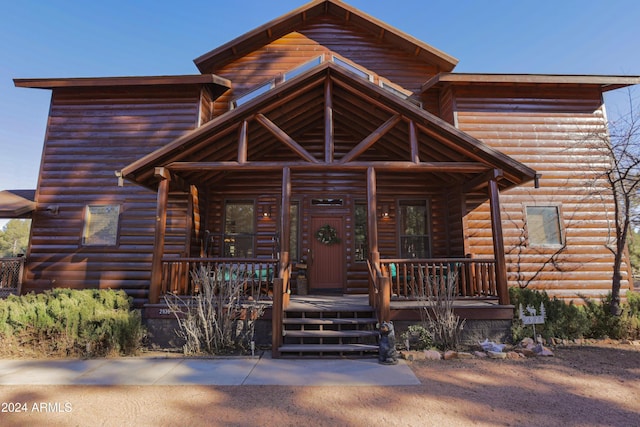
(331, 180)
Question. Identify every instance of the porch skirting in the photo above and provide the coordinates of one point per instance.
(484, 319)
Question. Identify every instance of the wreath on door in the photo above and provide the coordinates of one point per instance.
(327, 235)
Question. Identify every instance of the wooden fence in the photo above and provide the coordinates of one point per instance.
(11, 270)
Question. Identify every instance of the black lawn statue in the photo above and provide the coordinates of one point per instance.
(387, 352)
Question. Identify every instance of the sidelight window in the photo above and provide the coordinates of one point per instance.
(414, 229)
(239, 229)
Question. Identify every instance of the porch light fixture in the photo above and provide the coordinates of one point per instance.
(266, 211)
(385, 211)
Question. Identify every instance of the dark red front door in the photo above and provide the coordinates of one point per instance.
(327, 266)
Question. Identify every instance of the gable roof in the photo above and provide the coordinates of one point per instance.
(297, 103)
(297, 18)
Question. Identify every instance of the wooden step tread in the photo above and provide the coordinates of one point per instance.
(322, 348)
(330, 334)
(329, 321)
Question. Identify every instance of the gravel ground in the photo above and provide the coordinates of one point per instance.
(593, 385)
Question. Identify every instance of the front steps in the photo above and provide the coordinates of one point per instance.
(329, 330)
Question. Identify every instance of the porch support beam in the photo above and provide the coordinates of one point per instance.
(392, 166)
(328, 121)
(243, 142)
(160, 230)
(498, 241)
(481, 180)
(413, 142)
(372, 138)
(283, 137)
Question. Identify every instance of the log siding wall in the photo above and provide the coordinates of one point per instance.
(550, 132)
(92, 133)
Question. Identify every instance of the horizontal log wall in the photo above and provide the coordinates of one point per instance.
(550, 131)
(265, 189)
(91, 134)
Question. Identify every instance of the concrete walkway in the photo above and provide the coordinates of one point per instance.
(217, 371)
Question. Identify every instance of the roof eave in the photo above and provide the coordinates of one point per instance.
(603, 82)
(76, 82)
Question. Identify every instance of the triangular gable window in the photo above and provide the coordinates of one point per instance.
(343, 63)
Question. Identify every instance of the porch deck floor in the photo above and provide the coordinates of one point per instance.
(361, 303)
(329, 303)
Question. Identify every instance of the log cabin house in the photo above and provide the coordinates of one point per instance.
(328, 143)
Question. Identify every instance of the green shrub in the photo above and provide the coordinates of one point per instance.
(563, 320)
(418, 337)
(569, 321)
(65, 322)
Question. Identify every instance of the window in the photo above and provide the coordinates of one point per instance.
(239, 223)
(414, 230)
(100, 225)
(352, 68)
(543, 225)
(302, 68)
(360, 232)
(253, 94)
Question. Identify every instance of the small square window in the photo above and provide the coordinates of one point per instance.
(543, 225)
(101, 225)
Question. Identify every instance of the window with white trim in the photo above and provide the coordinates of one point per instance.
(101, 225)
(544, 227)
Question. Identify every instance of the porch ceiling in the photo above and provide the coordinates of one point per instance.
(368, 126)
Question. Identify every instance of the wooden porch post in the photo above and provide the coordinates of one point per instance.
(160, 230)
(281, 283)
(498, 240)
(383, 285)
(285, 231)
(372, 220)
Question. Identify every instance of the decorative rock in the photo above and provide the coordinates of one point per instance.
(432, 355)
(480, 354)
(450, 354)
(491, 346)
(541, 350)
(526, 342)
(496, 355)
(464, 355)
(412, 355)
(512, 355)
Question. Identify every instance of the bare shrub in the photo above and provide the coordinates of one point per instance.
(218, 319)
(437, 313)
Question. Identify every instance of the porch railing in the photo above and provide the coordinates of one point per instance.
(409, 278)
(257, 273)
(11, 270)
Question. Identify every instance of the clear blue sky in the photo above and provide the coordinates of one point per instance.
(58, 38)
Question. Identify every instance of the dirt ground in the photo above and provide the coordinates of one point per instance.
(593, 385)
